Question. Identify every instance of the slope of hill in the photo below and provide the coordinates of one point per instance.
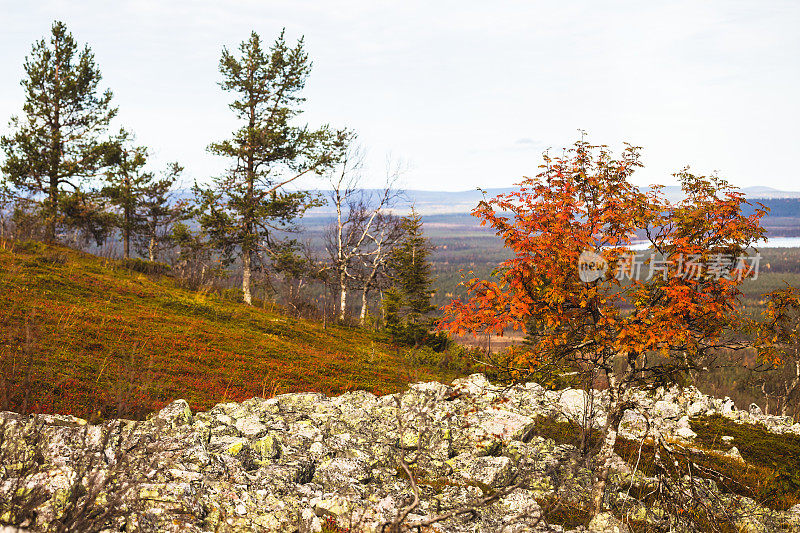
(87, 336)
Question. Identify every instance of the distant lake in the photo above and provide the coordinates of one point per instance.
(775, 242)
(781, 242)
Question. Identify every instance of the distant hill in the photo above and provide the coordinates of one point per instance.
(449, 207)
(449, 202)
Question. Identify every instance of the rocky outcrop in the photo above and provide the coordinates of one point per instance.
(297, 462)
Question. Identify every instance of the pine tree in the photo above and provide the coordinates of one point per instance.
(408, 305)
(56, 145)
(126, 180)
(160, 212)
(194, 257)
(145, 211)
(246, 209)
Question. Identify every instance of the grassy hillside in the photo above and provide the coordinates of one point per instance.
(88, 336)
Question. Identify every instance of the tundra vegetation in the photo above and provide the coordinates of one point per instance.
(122, 291)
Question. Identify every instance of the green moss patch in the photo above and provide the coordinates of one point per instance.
(769, 475)
(773, 461)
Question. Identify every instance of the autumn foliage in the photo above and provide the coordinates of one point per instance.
(640, 319)
(583, 202)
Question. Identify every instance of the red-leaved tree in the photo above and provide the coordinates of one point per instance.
(634, 320)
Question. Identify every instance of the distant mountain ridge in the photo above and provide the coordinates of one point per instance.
(460, 202)
(457, 202)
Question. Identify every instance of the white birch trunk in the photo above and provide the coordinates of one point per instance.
(246, 273)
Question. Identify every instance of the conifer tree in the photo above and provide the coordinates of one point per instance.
(408, 304)
(56, 145)
(160, 212)
(126, 181)
(245, 210)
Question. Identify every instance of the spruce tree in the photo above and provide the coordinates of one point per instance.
(55, 146)
(247, 209)
(408, 304)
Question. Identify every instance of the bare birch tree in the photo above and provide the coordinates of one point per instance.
(359, 241)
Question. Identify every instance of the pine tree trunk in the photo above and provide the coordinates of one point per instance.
(250, 238)
(127, 238)
(246, 273)
(151, 249)
(52, 215)
(127, 214)
(55, 155)
(55, 159)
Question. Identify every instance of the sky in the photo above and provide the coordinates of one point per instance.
(464, 94)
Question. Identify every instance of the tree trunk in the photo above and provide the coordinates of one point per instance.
(362, 317)
(340, 257)
(246, 273)
(55, 155)
(52, 214)
(342, 296)
(604, 458)
(127, 238)
(606, 454)
(151, 249)
(127, 214)
(250, 205)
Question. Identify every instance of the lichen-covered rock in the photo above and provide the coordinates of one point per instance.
(607, 523)
(633, 425)
(175, 414)
(483, 471)
(665, 409)
(297, 462)
(574, 403)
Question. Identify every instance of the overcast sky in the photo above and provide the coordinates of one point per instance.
(467, 93)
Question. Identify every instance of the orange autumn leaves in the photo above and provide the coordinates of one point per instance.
(584, 201)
